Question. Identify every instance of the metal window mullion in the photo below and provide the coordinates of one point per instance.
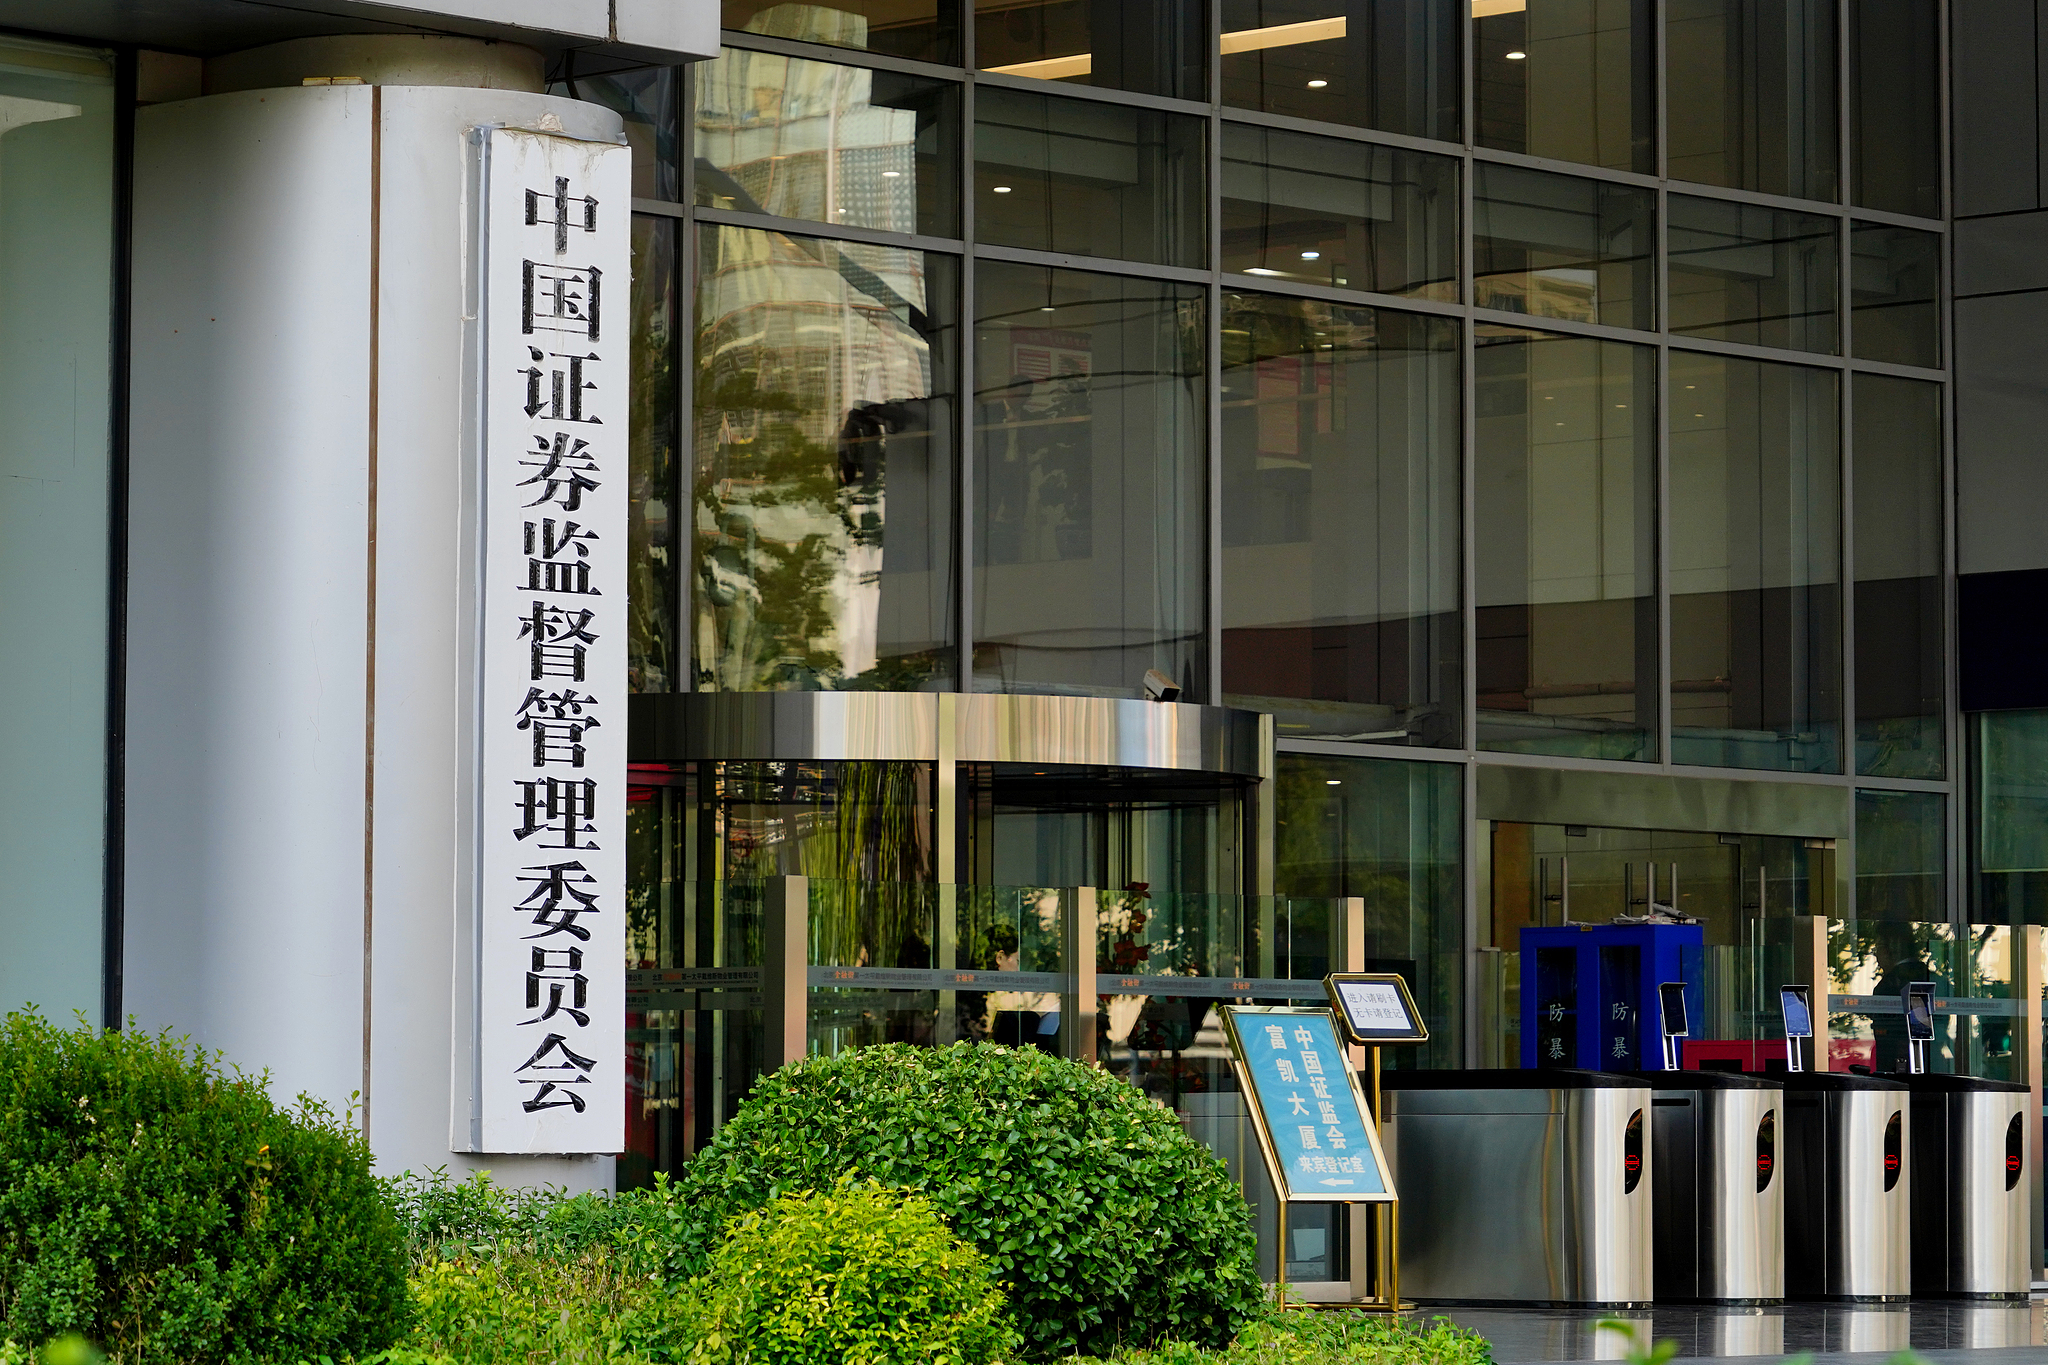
(683, 521)
(1955, 738)
(964, 576)
(1212, 342)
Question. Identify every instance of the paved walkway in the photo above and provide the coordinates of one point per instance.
(1945, 1331)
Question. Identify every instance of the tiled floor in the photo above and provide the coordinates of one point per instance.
(1831, 1331)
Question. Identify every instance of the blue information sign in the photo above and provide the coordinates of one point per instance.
(1320, 1144)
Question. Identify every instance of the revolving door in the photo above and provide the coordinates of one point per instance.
(810, 872)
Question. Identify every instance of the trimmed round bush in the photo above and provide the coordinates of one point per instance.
(854, 1275)
(169, 1211)
(1106, 1221)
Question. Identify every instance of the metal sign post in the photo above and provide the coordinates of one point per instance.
(1375, 1009)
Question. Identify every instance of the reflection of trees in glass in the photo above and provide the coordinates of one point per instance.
(813, 370)
(650, 593)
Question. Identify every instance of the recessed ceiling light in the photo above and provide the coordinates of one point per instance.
(1046, 309)
(1516, 56)
(890, 175)
(1317, 85)
(1621, 405)
(1002, 189)
(1311, 255)
(1333, 781)
(1259, 270)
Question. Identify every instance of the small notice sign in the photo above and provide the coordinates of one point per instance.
(1319, 1142)
(1375, 1008)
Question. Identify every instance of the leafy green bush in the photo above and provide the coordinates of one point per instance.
(166, 1209)
(855, 1275)
(1108, 1223)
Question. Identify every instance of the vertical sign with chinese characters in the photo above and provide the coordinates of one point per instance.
(550, 367)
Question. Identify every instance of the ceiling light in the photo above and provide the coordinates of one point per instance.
(1242, 40)
(1517, 56)
(1317, 85)
(890, 175)
(1260, 270)
(1333, 782)
(1002, 189)
(1310, 255)
(1282, 35)
(1046, 309)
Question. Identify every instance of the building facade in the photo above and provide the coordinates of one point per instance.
(1131, 506)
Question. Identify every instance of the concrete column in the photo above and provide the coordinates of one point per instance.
(294, 684)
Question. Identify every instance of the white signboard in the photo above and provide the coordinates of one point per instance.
(550, 365)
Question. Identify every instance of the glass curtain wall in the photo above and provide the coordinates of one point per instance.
(1755, 516)
(1385, 64)
(1571, 80)
(1565, 545)
(1340, 519)
(1109, 378)
(1901, 726)
(57, 262)
(1391, 834)
(1089, 464)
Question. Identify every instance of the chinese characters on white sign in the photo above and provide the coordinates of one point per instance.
(550, 611)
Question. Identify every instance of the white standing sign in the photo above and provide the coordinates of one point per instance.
(549, 607)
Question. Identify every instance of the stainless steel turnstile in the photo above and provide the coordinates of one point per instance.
(1720, 1198)
(1846, 1153)
(1521, 1186)
(1970, 1216)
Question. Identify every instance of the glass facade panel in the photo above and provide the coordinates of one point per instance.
(1153, 47)
(828, 143)
(2009, 817)
(1898, 557)
(927, 30)
(1741, 272)
(1089, 179)
(1895, 106)
(1750, 94)
(57, 249)
(1901, 863)
(1391, 833)
(1340, 519)
(1564, 545)
(822, 554)
(645, 97)
(1388, 64)
(1557, 246)
(1755, 523)
(1894, 295)
(1317, 210)
(653, 654)
(1090, 476)
(1574, 80)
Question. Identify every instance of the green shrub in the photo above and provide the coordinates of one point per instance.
(1302, 1336)
(477, 1218)
(166, 1209)
(1108, 1223)
(855, 1275)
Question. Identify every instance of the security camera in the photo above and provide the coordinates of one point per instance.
(1159, 687)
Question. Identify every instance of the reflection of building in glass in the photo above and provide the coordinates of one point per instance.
(816, 366)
